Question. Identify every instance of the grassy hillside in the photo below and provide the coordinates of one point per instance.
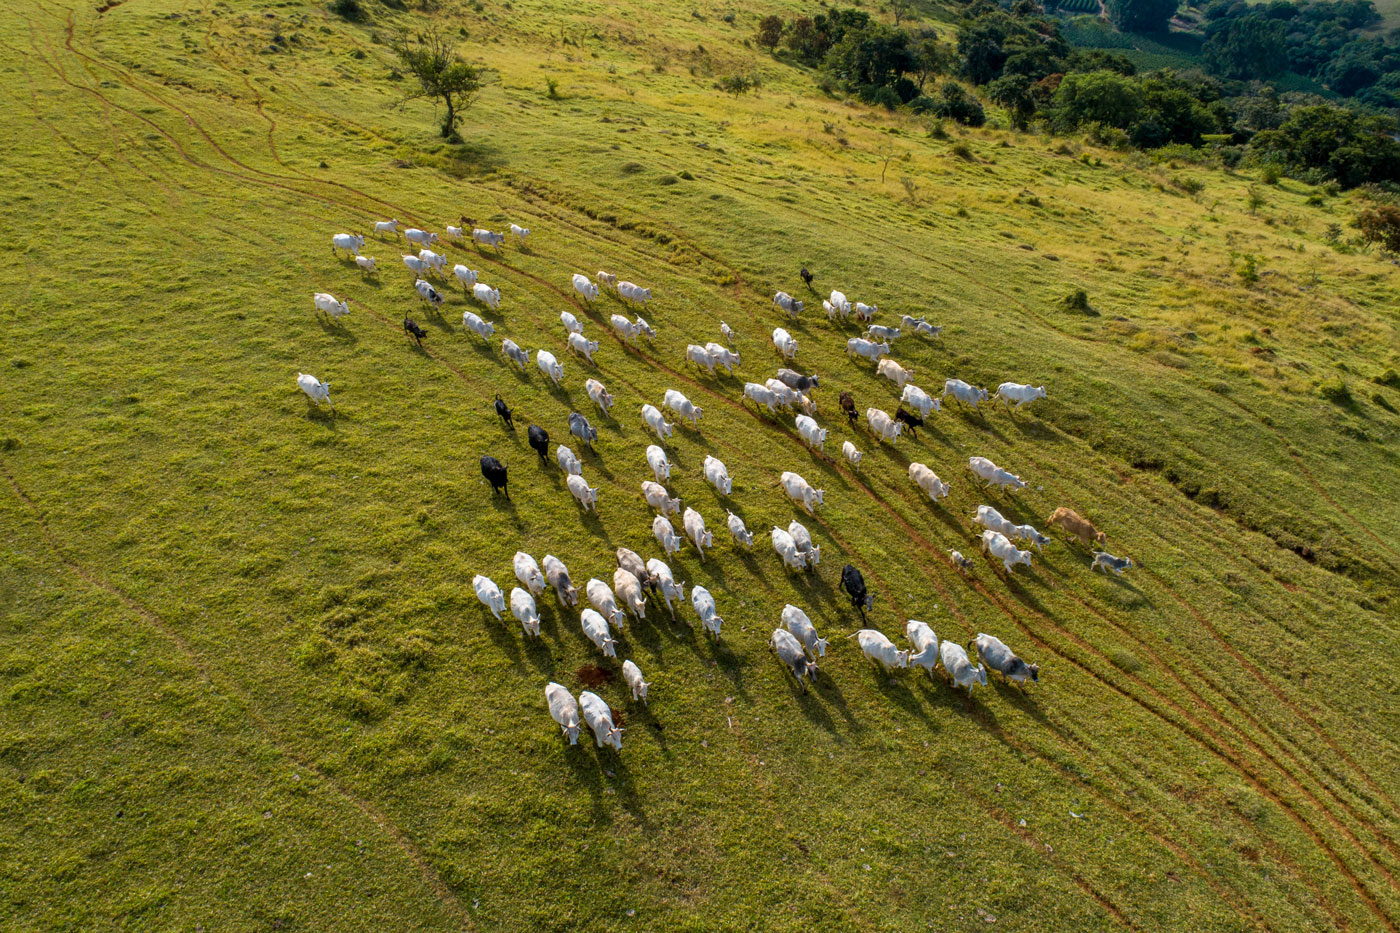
(248, 686)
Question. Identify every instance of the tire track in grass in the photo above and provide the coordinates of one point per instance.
(216, 680)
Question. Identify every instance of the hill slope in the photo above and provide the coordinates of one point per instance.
(249, 685)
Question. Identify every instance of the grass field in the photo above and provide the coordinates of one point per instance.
(247, 684)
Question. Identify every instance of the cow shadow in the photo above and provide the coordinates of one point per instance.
(323, 416)
(1036, 430)
(829, 690)
(501, 636)
(501, 503)
(332, 328)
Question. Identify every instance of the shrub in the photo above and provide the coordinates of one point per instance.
(923, 104)
(1248, 269)
(1078, 300)
(963, 151)
(348, 9)
(1388, 378)
(881, 95)
(1270, 173)
(1381, 224)
(936, 130)
(956, 104)
(1336, 391)
(552, 88)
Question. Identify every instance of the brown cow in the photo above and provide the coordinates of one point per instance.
(1083, 529)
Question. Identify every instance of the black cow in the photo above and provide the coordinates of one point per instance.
(806, 277)
(848, 405)
(910, 420)
(539, 439)
(410, 327)
(504, 412)
(495, 473)
(854, 584)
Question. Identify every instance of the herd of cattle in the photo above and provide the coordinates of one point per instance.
(795, 642)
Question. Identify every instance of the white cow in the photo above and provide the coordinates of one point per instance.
(519, 232)
(852, 455)
(993, 653)
(421, 237)
(625, 329)
(929, 330)
(694, 525)
(628, 590)
(580, 490)
(799, 490)
(326, 303)
(522, 606)
(786, 548)
(789, 651)
(315, 389)
(644, 328)
(738, 532)
(454, 232)
(527, 571)
(387, 226)
(1106, 561)
(869, 349)
(925, 651)
(883, 426)
(599, 393)
(701, 357)
(723, 356)
(581, 345)
(881, 332)
(418, 267)
(633, 293)
(894, 372)
(839, 302)
(474, 323)
(513, 352)
(928, 481)
(601, 596)
(464, 275)
(919, 400)
(717, 475)
(660, 466)
(993, 520)
(802, 628)
(996, 544)
(802, 538)
(436, 261)
(549, 365)
(865, 312)
(657, 423)
(352, 243)
(570, 322)
(959, 667)
(595, 628)
(1010, 392)
(586, 289)
(674, 401)
(788, 303)
(1028, 533)
(656, 497)
(427, 292)
(366, 264)
(487, 238)
(608, 279)
(599, 718)
(491, 297)
(830, 309)
(785, 343)
(568, 461)
(881, 650)
(811, 433)
(558, 576)
(761, 395)
(786, 395)
(704, 605)
(666, 584)
(489, 594)
(994, 475)
(727, 333)
(665, 534)
(964, 392)
(633, 675)
(563, 708)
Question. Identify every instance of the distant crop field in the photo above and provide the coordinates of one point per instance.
(247, 682)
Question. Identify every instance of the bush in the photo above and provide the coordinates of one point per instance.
(880, 95)
(923, 104)
(1381, 224)
(963, 151)
(1336, 391)
(1248, 269)
(1270, 173)
(348, 9)
(1078, 300)
(956, 104)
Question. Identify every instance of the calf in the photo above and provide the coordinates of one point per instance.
(785, 343)
(519, 232)
(674, 401)
(599, 716)
(644, 328)
(959, 668)
(633, 675)
(655, 495)
(865, 312)
(366, 265)
(660, 466)
(963, 564)
(789, 650)
(910, 420)
(563, 708)
(929, 330)
(694, 525)
(522, 606)
(315, 389)
(994, 654)
(997, 544)
(854, 584)
(1106, 561)
(504, 413)
(852, 454)
(665, 534)
(657, 423)
(489, 594)
(802, 539)
(717, 475)
(1028, 533)
(666, 584)
(848, 405)
(387, 226)
(812, 435)
(586, 495)
(538, 439)
(727, 333)
(410, 327)
(804, 631)
(928, 481)
(599, 394)
(1083, 529)
(786, 548)
(830, 310)
(800, 491)
(516, 355)
(528, 573)
(608, 279)
(495, 473)
(581, 429)
(880, 650)
(704, 605)
(568, 461)
(789, 304)
(806, 277)
(737, 531)
(558, 577)
(925, 645)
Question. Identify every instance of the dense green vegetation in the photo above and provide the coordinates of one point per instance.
(246, 685)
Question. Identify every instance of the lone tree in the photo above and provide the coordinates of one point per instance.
(432, 58)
